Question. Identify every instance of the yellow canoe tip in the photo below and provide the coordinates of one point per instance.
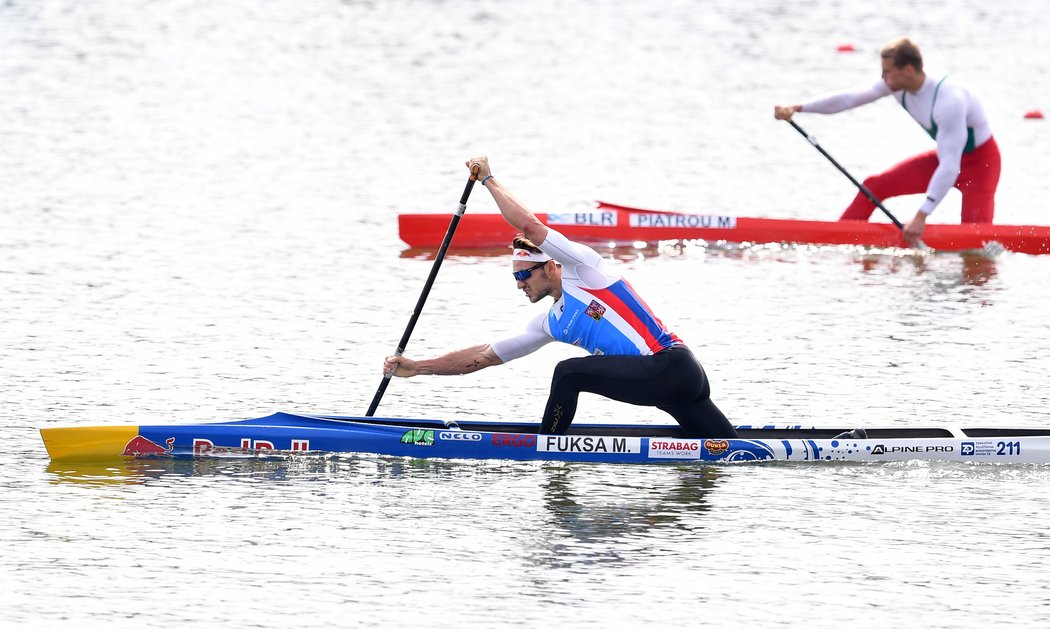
(87, 442)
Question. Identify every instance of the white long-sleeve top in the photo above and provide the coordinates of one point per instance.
(948, 112)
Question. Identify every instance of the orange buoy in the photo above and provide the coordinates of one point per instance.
(1035, 114)
(846, 48)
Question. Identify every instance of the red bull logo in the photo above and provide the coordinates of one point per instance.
(141, 447)
(261, 447)
(716, 446)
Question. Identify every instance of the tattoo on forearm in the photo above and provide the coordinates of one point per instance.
(474, 365)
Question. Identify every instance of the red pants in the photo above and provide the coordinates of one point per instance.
(978, 179)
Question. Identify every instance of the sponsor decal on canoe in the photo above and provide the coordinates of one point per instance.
(917, 449)
(595, 219)
(610, 445)
(716, 446)
(514, 440)
(418, 437)
(674, 449)
(990, 448)
(203, 446)
(705, 221)
(257, 444)
(141, 446)
(459, 435)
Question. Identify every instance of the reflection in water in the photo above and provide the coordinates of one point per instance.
(978, 269)
(130, 471)
(612, 250)
(602, 517)
(426, 253)
(969, 275)
(285, 467)
(124, 471)
(975, 269)
(626, 251)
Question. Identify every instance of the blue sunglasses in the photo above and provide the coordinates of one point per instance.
(525, 274)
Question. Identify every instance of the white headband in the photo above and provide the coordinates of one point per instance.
(529, 256)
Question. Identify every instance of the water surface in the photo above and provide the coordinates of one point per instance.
(198, 222)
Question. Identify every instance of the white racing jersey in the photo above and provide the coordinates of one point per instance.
(949, 113)
(598, 311)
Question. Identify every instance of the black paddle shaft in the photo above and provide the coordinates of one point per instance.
(862, 187)
(426, 290)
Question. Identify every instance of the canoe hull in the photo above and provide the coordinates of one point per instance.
(283, 434)
(617, 224)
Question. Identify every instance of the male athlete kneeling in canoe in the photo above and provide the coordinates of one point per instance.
(635, 358)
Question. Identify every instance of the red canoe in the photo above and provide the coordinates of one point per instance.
(609, 223)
